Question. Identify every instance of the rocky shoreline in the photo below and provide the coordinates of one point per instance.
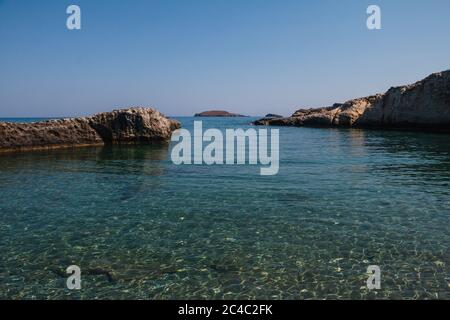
(424, 105)
(132, 125)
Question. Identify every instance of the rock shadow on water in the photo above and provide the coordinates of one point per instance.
(129, 169)
(414, 153)
(143, 164)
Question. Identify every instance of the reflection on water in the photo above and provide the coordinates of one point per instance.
(141, 227)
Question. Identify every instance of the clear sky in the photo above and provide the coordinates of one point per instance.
(186, 56)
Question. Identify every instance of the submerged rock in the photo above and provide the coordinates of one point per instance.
(133, 125)
(424, 105)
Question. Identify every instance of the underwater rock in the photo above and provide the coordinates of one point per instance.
(109, 274)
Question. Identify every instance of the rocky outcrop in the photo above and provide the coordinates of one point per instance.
(131, 125)
(217, 113)
(424, 105)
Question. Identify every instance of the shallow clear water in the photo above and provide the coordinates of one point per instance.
(140, 227)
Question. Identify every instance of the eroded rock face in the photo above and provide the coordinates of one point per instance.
(422, 105)
(131, 125)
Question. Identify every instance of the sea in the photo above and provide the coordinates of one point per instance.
(140, 227)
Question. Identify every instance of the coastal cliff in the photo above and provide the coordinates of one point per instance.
(132, 125)
(424, 105)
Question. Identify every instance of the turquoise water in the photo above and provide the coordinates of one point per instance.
(140, 227)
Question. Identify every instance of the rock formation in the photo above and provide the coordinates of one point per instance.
(424, 105)
(217, 113)
(131, 125)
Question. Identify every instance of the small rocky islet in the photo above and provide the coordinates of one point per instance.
(217, 113)
(131, 125)
(424, 106)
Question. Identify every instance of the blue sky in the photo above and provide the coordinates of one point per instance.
(186, 56)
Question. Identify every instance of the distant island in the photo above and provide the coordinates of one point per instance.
(217, 113)
(273, 115)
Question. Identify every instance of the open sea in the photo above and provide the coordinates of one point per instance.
(140, 227)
